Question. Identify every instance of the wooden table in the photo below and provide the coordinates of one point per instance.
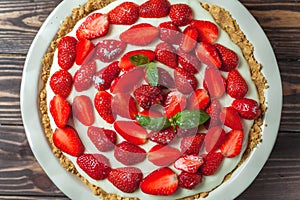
(21, 177)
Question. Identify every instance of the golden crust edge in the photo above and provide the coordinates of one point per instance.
(223, 19)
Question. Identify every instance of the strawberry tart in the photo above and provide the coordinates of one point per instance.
(151, 99)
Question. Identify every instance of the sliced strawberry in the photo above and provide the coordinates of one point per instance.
(175, 102)
(161, 155)
(214, 138)
(212, 162)
(188, 180)
(60, 110)
(181, 14)
(126, 13)
(126, 64)
(110, 49)
(83, 77)
(67, 140)
(189, 39)
(66, 52)
(162, 137)
(198, 100)
(103, 139)
(162, 181)
(104, 77)
(231, 118)
(208, 31)
(147, 96)
(230, 59)
(186, 132)
(165, 80)
(247, 108)
(124, 105)
(84, 51)
(102, 102)
(97, 166)
(95, 25)
(214, 82)
(184, 81)
(131, 132)
(83, 110)
(208, 54)
(150, 113)
(236, 85)
(214, 111)
(232, 144)
(155, 9)
(189, 163)
(188, 62)
(170, 33)
(61, 83)
(126, 179)
(191, 145)
(129, 154)
(140, 34)
(166, 54)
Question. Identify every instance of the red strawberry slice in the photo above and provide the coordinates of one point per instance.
(83, 110)
(126, 13)
(208, 31)
(129, 154)
(102, 102)
(124, 105)
(66, 52)
(184, 81)
(103, 139)
(150, 113)
(214, 82)
(214, 138)
(60, 110)
(155, 9)
(231, 118)
(140, 34)
(212, 162)
(131, 132)
(162, 137)
(67, 140)
(198, 100)
(236, 85)
(170, 33)
(61, 83)
(84, 51)
(189, 163)
(147, 96)
(166, 54)
(188, 62)
(165, 80)
(208, 54)
(230, 59)
(161, 155)
(175, 102)
(247, 108)
(181, 14)
(104, 77)
(162, 181)
(97, 166)
(188, 180)
(83, 77)
(186, 132)
(189, 39)
(110, 49)
(96, 25)
(126, 64)
(126, 179)
(214, 111)
(191, 145)
(232, 144)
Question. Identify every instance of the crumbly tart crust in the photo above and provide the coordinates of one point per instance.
(223, 19)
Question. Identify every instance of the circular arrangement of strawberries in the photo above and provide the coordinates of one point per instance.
(150, 95)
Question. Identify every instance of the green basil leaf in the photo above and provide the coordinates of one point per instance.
(139, 59)
(152, 74)
(188, 119)
(153, 123)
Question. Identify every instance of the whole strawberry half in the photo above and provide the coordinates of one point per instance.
(184, 81)
(108, 50)
(174, 102)
(162, 137)
(61, 83)
(163, 155)
(95, 25)
(236, 85)
(232, 144)
(166, 54)
(83, 77)
(208, 31)
(189, 180)
(208, 54)
(125, 62)
(162, 181)
(129, 154)
(103, 139)
(189, 163)
(189, 39)
(140, 34)
(181, 14)
(126, 13)
(170, 33)
(60, 110)
(102, 103)
(84, 51)
(131, 132)
(83, 110)
(198, 100)
(126, 179)
(147, 95)
(214, 110)
(104, 77)
(191, 145)
(67, 140)
(230, 59)
(247, 108)
(188, 61)
(231, 118)
(212, 162)
(214, 138)
(214, 82)
(155, 9)
(124, 105)
(97, 166)
(66, 52)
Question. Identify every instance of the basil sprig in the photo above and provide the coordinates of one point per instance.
(153, 123)
(188, 119)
